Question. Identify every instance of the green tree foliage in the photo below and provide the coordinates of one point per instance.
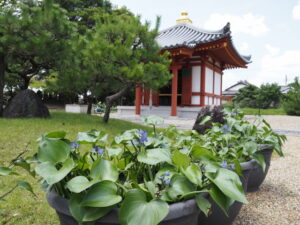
(113, 57)
(246, 96)
(266, 96)
(34, 37)
(291, 103)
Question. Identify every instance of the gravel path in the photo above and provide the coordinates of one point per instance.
(278, 200)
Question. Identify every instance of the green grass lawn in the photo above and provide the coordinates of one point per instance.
(251, 111)
(21, 208)
(254, 111)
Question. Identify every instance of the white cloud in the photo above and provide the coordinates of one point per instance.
(244, 46)
(247, 23)
(276, 68)
(271, 49)
(296, 12)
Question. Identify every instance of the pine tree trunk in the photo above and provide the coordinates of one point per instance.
(2, 74)
(90, 104)
(110, 99)
(26, 82)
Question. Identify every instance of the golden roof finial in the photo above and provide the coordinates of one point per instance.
(184, 18)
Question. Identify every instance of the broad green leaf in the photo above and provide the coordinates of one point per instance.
(136, 210)
(25, 165)
(260, 159)
(181, 160)
(104, 170)
(205, 120)
(102, 194)
(155, 156)
(79, 184)
(128, 135)
(25, 185)
(229, 183)
(114, 151)
(250, 147)
(56, 135)
(222, 200)
(203, 204)
(194, 174)
(85, 214)
(49, 172)
(89, 137)
(53, 151)
(180, 185)
(199, 152)
(4, 171)
(153, 120)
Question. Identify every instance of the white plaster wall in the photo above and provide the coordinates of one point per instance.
(206, 100)
(196, 79)
(209, 80)
(217, 83)
(195, 100)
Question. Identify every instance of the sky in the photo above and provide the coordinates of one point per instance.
(268, 30)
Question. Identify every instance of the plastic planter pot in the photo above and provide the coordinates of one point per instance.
(181, 213)
(257, 175)
(217, 216)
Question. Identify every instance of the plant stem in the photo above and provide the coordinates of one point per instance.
(7, 193)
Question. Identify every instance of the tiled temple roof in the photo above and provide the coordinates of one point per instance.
(186, 35)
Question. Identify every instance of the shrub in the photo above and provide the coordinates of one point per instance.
(207, 116)
(291, 102)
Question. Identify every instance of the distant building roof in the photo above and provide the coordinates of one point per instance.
(234, 89)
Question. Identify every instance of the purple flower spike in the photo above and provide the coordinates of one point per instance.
(143, 136)
(167, 182)
(161, 178)
(98, 150)
(225, 129)
(167, 173)
(74, 145)
(232, 166)
(224, 164)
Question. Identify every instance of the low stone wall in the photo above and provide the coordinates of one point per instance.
(162, 111)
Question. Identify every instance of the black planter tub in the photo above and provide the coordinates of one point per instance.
(181, 213)
(257, 175)
(217, 216)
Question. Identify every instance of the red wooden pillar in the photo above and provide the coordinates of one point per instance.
(174, 91)
(202, 91)
(138, 99)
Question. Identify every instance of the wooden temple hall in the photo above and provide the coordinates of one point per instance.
(199, 58)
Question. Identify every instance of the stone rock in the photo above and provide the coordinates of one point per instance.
(26, 104)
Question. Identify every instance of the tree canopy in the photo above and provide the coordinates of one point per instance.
(291, 103)
(34, 37)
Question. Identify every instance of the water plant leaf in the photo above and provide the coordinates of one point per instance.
(85, 214)
(25, 185)
(260, 159)
(4, 171)
(89, 137)
(128, 135)
(155, 156)
(222, 200)
(114, 151)
(49, 172)
(193, 173)
(102, 194)
(229, 183)
(136, 210)
(53, 150)
(104, 170)
(181, 160)
(205, 120)
(79, 184)
(153, 120)
(56, 135)
(203, 204)
(179, 186)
